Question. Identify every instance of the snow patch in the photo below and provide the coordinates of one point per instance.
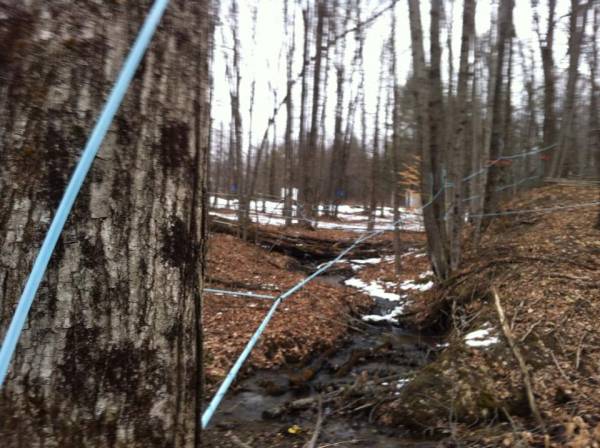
(367, 261)
(401, 383)
(374, 289)
(391, 317)
(481, 338)
(411, 285)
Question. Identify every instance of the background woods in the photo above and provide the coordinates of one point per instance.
(359, 118)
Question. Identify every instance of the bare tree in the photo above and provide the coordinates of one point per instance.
(235, 78)
(546, 44)
(395, 148)
(336, 173)
(422, 85)
(375, 162)
(531, 165)
(308, 192)
(219, 164)
(577, 24)
(594, 95)
(289, 150)
(436, 141)
(304, 93)
(459, 139)
(505, 31)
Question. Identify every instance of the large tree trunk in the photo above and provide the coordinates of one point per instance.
(395, 149)
(111, 354)
(507, 133)
(436, 141)
(235, 79)
(547, 52)
(567, 137)
(434, 242)
(594, 93)
(289, 124)
(505, 30)
(459, 139)
(375, 183)
(335, 175)
(308, 194)
(303, 100)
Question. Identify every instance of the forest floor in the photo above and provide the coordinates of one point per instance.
(546, 271)
(313, 320)
(353, 347)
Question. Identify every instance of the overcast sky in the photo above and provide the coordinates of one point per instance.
(263, 60)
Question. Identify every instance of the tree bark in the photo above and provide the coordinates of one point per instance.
(111, 354)
(436, 145)
(576, 33)
(459, 139)
(595, 93)
(375, 171)
(235, 79)
(335, 172)
(505, 30)
(309, 190)
(547, 52)
(422, 85)
(395, 148)
(289, 149)
(303, 96)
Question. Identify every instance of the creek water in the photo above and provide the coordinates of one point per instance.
(258, 412)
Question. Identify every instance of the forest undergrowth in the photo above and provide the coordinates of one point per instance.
(535, 382)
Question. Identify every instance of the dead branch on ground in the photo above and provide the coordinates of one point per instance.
(520, 360)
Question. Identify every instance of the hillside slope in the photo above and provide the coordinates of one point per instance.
(546, 270)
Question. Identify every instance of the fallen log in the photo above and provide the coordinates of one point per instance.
(302, 247)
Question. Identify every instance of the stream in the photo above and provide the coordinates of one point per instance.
(278, 408)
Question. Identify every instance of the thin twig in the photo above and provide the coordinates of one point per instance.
(561, 371)
(236, 440)
(579, 350)
(520, 360)
(329, 445)
(528, 332)
(312, 443)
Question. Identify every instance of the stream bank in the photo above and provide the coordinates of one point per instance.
(345, 383)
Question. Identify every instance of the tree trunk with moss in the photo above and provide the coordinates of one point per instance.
(111, 353)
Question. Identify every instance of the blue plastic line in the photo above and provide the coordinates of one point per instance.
(224, 387)
(514, 156)
(91, 148)
(538, 210)
(209, 412)
(218, 397)
(223, 292)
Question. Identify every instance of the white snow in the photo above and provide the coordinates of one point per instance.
(377, 289)
(352, 217)
(357, 265)
(401, 382)
(410, 284)
(392, 316)
(481, 338)
(367, 261)
(374, 289)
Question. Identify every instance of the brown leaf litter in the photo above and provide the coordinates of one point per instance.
(546, 268)
(312, 320)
